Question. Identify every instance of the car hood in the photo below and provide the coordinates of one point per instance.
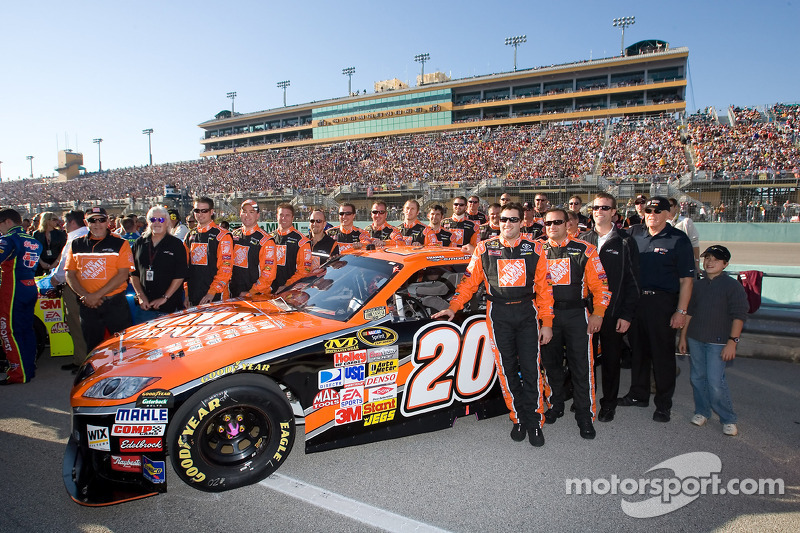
(201, 341)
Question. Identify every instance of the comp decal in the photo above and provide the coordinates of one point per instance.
(449, 362)
(377, 336)
(138, 430)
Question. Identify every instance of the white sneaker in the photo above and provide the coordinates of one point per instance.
(699, 420)
(730, 429)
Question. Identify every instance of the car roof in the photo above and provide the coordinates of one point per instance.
(416, 257)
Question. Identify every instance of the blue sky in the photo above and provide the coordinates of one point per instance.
(74, 71)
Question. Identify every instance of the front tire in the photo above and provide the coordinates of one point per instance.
(233, 432)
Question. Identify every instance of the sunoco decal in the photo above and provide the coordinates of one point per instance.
(154, 471)
(377, 336)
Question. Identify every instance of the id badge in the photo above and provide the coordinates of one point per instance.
(149, 275)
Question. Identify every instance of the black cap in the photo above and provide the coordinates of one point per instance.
(658, 202)
(96, 211)
(718, 251)
(174, 214)
(527, 206)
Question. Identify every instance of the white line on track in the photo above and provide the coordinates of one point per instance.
(761, 381)
(355, 510)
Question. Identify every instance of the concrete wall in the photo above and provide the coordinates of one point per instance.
(748, 232)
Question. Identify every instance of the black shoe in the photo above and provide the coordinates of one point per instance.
(661, 416)
(587, 430)
(627, 401)
(536, 437)
(518, 433)
(71, 366)
(606, 414)
(551, 415)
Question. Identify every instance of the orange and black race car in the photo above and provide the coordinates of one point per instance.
(350, 352)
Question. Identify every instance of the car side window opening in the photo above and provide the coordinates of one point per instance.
(426, 292)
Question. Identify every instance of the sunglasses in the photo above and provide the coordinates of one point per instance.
(553, 222)
(651, 210)
(473, 202)
(639, 202)
(316, 220)
(574, 203)
(540, 200)
(378, 212)
(513, 220)
(97, 220)
(157, 219)
(601, 208)
(198, 210)
(345, 213)
(458, 205)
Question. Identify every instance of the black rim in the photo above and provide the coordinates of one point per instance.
(234, 435)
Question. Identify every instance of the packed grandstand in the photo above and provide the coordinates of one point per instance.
(630, 149)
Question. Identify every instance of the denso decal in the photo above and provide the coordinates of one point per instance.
(349, 358)
(98, 438)
(380, 379)
(353, 375)
(325, 398)
(126, 463)
(138, 430)
(157, 416)
(351, 396)
(59, 327)
(141, 444)
(383, 353)
(383, 367)
(341, 345)
(348, 415)
(449, 363)
(154, 471)
(330, 378)
(384, 392)
(155, 398)
(377, 336)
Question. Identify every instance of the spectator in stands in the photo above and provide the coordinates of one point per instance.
(575, 204)
(492, 226)
(129, 232)
(530, 226)
(638, 217)
(686, 225)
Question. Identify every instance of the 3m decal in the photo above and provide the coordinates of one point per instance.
(325, 398)
(384, 392)
(348, 415)
(330, 378)
(353, 375)
(382, 367)
(141, 444)
(383, 353)
(97, 437)
(49, 303)
(449, 362)
(138, 430)
(377, 336)
(154, 471)
(157, 416)
(341, 345)
(126, 463)
(380, 379)
(351, 396)
(349, 358)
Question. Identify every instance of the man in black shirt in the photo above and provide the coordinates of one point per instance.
(322, 245)
(473, 204)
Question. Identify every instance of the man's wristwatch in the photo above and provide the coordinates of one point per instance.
(734, 339)
(681, 311)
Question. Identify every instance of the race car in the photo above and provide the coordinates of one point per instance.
(349, 352)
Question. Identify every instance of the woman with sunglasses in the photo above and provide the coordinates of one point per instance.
(160, 266)
(53, 241)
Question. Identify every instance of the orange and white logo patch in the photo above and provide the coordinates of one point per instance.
(457, 236)
(199, 253)
(240, 256)
(94, 268)
(280, 253)
(559, 271)
(511, 272)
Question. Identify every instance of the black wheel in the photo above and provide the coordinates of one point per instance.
(234, 432)
(41, 337)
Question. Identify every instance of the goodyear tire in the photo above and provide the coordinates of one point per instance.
(233, 432)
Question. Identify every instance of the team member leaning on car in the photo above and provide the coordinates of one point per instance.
(160, 265)
(346, 234)
(412, 229)
(514, 271)
(322, 245)
(98, 265)
(210, 261)
(253, 255)
(382, 233)
(435, 216)
(292, 250)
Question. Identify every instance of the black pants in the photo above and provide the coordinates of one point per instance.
(113, 314)
(653, 344)
(569, 329)
(514, 328)
(611, 350)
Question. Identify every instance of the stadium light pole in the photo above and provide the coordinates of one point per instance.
(149, 132)
(515, 42)
(422, 58)
(283, 85)
(30, 158)
(349, 71)
(623, 22)
(1, 171)
(232, 96)
(99, 160)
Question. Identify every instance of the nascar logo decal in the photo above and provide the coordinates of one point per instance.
(377, 336)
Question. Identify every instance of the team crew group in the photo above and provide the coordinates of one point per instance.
(559, 286)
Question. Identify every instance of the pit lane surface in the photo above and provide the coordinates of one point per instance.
(469, 478)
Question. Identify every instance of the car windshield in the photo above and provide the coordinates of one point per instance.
(341, 287)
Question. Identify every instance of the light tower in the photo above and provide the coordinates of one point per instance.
(623, 22)
(515, 42)
(30, 158)
(283, 85)
(148, 132)
(99, 160)
(349, 71)
(232, 96)
(422, 58)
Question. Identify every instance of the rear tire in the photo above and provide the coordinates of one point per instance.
(233, 432)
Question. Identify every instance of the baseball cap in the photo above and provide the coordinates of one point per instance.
(718, 251)
(174, 214)
(658, 202)
(640, 199)
(251, 203)
(96, 211)
(527, 206)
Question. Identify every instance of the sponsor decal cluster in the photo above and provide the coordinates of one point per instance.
(140, 429)
(98, 438)
(154, 471)
(126, 463)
